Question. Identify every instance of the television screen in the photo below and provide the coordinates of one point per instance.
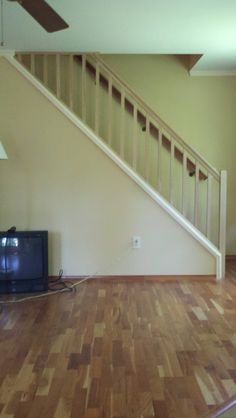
(23, 260)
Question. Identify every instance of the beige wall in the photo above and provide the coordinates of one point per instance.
(56, 179)
(200, 109)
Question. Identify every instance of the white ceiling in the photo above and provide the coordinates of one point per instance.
(205, 27)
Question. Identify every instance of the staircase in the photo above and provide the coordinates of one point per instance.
(187, 186)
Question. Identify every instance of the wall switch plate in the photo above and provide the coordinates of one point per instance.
(136, 242)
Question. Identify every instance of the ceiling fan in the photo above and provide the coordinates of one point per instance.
(44, 14)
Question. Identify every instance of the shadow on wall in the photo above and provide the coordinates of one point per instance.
(54, 252)
(188, 61)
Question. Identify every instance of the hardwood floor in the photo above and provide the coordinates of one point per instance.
(120, 349)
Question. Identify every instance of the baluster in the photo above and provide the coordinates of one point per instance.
(159, 158)
(184, 182)
(32, 63)
(196, 195)
(135, 136)
(110, 110)
(222, 226)
(147, 146)
(58, 76)
(83, 87)
(172, 156)
(96, 124)
(208, 211)
(45, 69)
(122, 124)
(71, 82)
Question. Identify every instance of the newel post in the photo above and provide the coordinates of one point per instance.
(223, 207)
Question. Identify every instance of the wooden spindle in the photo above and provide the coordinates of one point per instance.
(71, 81)
(135, 137)
(96, 116)
(171, 179)
(184, 183)
(83, 87)
(45, 69)
(147, 146)
(58, 76)
(208, 208)
(109, 126)
(159, 159)
(196, 195)
(122, 123)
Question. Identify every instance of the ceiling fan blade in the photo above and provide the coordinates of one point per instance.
(44, 15)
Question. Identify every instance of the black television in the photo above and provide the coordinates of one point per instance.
(23, 261)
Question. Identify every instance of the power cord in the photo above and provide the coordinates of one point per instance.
(66, 286)
(58, 283)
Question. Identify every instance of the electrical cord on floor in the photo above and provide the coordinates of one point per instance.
(67, 286)
(59, 277)
(59, 284)
(48, 293)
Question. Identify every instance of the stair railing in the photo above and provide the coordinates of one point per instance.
(196, 173)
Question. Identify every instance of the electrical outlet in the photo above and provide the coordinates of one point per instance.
(136, 242)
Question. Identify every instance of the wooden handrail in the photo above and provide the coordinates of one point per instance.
(218, 410)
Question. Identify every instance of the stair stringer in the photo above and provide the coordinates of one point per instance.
(163, 203)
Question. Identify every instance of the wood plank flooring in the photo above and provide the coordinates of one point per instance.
(116, 349)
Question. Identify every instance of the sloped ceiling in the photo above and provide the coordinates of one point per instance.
(206, 27)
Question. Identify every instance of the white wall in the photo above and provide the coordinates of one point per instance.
(56, 179)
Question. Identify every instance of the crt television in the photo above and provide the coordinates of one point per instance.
(23, 261)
